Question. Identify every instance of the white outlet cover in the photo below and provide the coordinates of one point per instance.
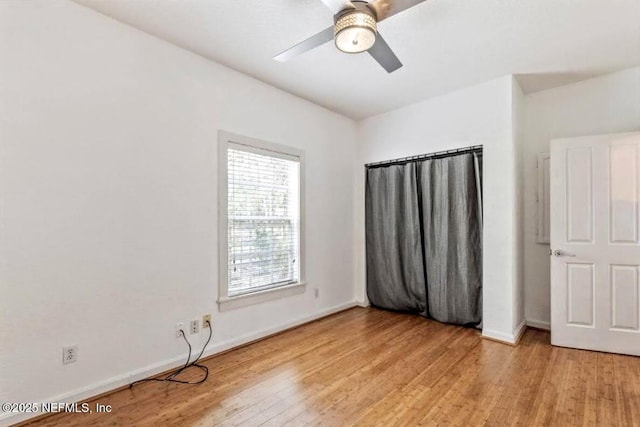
(69, 354)
(178, 327)
(194, 327)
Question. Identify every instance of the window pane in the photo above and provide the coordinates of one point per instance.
(263, 221)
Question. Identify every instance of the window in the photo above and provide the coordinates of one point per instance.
(260, 221)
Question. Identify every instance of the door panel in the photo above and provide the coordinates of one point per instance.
(624, 297)
(624, 193)
(579, 195)
(581, 294)
(595, 221)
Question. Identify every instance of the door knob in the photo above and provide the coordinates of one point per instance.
(559, 252)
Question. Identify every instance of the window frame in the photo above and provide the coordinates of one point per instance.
(228, 140)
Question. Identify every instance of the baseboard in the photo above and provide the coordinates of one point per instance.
(520, 330)
(539, 324)
(506, 338)
(119, 381)
(497, 336)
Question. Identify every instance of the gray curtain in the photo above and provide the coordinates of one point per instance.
(395, 272)
(423, 237)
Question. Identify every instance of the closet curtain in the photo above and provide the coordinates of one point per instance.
(424, 238)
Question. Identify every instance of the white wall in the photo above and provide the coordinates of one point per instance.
(607, 104)
(480, 114)
(108, 200)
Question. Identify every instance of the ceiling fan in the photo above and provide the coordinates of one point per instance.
(355, 30)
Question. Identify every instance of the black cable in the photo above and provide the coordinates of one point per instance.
(186, 365)
(171, 376)
(205, 344)
(195, 361)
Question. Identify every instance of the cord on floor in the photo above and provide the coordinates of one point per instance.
(171, 377)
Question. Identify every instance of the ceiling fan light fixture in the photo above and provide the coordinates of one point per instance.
(355, 31)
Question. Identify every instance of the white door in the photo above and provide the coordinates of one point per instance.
(595, 243)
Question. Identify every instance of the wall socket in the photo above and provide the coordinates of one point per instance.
(316, 292)
(69, 354)
(206, 318)
(178, 327)
(194, 327)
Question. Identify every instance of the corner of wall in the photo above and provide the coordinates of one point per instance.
(359, 254)
(517, 118)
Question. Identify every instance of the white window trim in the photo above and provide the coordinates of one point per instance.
(226, 302)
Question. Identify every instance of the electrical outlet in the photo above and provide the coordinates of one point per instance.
(194, 327)
(316, 292)
(206, 321)
(179, 326)
(69, 354)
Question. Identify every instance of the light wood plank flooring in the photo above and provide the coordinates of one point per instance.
(370, 367)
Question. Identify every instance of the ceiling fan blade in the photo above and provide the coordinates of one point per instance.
(336, 6)
(312, 42)
(387, 8)
(382, 53)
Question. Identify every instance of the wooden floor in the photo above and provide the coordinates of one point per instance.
(370, 367)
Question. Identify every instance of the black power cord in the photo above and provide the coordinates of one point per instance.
(172, 376)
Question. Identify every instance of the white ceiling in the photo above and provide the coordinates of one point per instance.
(444, 44)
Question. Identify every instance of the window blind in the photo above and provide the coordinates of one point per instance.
(263, 221)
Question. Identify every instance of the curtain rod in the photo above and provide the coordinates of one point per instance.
(445, 153)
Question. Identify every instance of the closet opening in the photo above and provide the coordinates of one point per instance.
(423, 227)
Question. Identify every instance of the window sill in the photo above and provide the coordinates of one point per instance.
(237, 301)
